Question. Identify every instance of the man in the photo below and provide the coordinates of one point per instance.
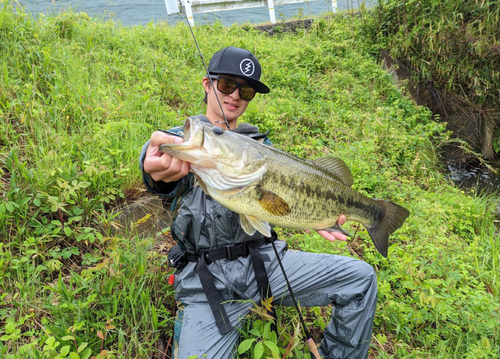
(222, 269)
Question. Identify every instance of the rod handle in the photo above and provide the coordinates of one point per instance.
(312, 348)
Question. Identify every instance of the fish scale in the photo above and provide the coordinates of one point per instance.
(316, 198)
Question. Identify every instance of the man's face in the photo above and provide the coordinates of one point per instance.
(232, 104)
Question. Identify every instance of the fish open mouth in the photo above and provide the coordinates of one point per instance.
(192, 147)
(187, 129)
(193, 134)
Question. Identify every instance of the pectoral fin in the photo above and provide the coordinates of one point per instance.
(250, 224)
(272, 203)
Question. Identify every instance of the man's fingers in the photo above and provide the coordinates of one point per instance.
(332, 236)
(158, 138)
(156, 161)
(339, 236)
(168, 169)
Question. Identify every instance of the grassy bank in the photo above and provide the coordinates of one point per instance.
(78, 98)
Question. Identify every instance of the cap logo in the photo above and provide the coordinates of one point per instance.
(247, 67)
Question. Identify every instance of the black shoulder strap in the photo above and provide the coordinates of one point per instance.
(250, 131)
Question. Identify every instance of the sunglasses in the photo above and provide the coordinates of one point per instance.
(227, 86)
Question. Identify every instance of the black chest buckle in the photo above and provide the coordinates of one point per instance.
(239, 250)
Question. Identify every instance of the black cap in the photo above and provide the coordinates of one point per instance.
(240, 63)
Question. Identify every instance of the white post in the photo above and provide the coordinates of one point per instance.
(272, 16)
(172, 7)
(189, 11)
(334, 5)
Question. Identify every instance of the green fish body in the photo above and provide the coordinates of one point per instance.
(268, 186)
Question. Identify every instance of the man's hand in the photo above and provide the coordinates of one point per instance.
(159, 165)
(332, 236)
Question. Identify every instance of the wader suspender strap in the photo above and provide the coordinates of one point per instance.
(263, 283)
(213, 296)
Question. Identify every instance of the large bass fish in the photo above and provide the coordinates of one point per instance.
(268, 186)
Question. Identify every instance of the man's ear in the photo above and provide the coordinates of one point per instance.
(206, 84)
(206, 87)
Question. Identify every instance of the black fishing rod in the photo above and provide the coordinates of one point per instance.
(171, 8)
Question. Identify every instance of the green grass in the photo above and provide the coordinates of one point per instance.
(78, 99)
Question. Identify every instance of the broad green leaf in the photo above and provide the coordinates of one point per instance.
(67, 231)
(86, 353)
(10, 327)
(81, 347)
(267, 330)
(272, 346)
(65, 350)
(245, 345)
(258, 351)
(382, 339)
(9, 206)
(255, 332)
(50, 341)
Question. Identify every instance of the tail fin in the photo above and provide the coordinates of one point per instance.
(394, 217)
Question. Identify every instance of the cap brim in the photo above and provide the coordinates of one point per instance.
(257, 85)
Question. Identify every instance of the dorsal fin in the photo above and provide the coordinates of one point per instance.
(337, 167)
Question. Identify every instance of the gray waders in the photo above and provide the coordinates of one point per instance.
(348, 284)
